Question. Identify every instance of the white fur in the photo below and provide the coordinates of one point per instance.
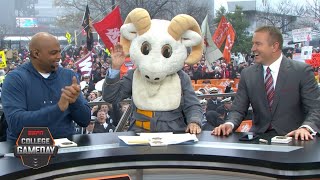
(164, 96)
(128, 31)
(191, 38)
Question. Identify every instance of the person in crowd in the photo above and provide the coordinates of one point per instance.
(283, 93)
(196, 72)
(42, 94)
(225, 107)
(213, 102)
(217, 73)
(101, 125)
(106, 109)
(229, 86)
(90, 127)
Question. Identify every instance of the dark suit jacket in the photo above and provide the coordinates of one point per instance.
(98, 128)
(296, 101)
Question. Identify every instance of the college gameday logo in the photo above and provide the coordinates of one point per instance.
(35, 146)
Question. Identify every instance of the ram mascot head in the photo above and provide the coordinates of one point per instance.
(159, 48)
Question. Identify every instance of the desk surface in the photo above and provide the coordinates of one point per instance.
(297, 159)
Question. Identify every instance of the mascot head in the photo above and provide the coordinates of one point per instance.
(159, 47)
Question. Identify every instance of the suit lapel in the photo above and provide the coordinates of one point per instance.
(282, 75)
(261, 86)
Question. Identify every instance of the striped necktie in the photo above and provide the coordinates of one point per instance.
(269, 87)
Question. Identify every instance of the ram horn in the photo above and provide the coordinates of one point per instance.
(179, 25)
(142, 22)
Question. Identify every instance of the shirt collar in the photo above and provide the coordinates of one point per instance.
(275, 66)
(105, 125)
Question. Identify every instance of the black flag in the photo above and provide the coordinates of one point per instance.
(87, 25)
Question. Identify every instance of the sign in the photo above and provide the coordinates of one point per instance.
(68, 36)
(35, 146)
(3, 59)
(26, 22)
(301, 35)
(306, 52)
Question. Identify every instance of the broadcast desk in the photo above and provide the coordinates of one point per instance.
(212, 157)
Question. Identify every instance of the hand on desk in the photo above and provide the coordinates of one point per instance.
(301, 133)
(69, 94)
(193, 128)
(223, 129)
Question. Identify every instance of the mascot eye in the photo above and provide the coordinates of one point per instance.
(145, 48)
(166, 51)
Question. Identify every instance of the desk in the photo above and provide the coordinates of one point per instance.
(210, 154)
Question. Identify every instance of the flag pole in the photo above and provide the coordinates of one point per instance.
(77, 34)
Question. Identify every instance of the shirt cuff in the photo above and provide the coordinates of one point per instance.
(230, 124)
(313, 133)
(113, 73)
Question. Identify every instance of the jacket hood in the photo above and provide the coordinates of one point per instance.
(29, 67)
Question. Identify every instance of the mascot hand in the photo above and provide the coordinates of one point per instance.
(118, 56)
(193, 128)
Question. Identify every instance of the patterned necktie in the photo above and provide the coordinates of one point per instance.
(269, 87)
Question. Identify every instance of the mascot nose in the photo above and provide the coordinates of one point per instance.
(149, 77)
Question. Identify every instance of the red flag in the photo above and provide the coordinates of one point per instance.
(85, 64)
(109, 28)
(221, 32)
(229, 43)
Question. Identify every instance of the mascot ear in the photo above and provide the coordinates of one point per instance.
(191, 38)
(129, 31)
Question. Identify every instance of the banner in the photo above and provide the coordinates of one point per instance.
(85, 64)
(87, 26)
(306, 52)
(109, 28)
(302, 35)
(229, 43)
(3, 60)
(221, 32)
(211, 52)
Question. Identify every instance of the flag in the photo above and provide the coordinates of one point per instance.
(87, 26)
(221, 32)
(3, 60)
(109, 28)
(85, 64)
(229, 43)
(211, 52)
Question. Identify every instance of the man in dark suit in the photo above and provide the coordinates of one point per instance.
(283, 93)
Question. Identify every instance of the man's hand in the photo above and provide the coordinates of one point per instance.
(118, 56)
(193, 128)
(63, 102)
(303, 133)
(72, 92)
(69, 94)
(223, 129)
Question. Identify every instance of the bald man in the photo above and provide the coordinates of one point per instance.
(40, 93)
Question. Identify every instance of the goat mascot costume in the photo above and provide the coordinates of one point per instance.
(162, 95)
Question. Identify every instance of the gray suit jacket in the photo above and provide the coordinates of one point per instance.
(296, 101)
